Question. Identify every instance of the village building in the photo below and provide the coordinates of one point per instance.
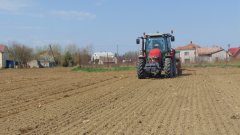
(103, 58)
(209, 55)
(234, 53)
(188, 53)
(193, 53)
(4, 56)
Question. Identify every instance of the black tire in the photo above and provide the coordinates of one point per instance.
(140, 69)
(168, 68)
(174, 68)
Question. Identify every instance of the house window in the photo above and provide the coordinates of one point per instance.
(186, 53)
(187, 61)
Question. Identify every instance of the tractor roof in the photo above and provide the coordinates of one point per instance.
(159, 35)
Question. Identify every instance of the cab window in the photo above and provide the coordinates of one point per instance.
(158, 42)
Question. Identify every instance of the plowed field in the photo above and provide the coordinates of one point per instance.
(60, 101)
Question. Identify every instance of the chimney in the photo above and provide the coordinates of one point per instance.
(190, 42)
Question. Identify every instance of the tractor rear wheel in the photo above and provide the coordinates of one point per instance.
(168, 68)
(174, 68)
(140, 69)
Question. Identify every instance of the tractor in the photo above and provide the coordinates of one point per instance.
(157, 56)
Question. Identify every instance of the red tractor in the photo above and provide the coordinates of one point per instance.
(156, 55)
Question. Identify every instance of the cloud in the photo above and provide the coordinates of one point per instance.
(72, 14)
(14, 5)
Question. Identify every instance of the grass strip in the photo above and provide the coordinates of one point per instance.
(105, 69)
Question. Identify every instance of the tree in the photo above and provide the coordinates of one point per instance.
(20, 53)
(131, 55)
(68, 59)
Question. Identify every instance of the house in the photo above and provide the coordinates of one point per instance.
(4, 56)
(188, 53)
(103, 58)
(234, 53)
(45, 59)
(214, 54)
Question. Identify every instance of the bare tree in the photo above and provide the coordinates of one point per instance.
(20, 53)
(85, 54)
(131, 56)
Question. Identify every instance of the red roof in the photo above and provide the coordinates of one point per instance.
(190, 46)
(208, 51)
(233, 51)
(2, 48)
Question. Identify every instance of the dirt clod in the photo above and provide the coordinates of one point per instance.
(25, 130)
(235, 116)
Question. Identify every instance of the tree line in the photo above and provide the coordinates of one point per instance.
(70, 55)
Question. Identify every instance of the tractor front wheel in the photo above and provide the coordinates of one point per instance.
(140, 69)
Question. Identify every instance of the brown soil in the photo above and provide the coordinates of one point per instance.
(59, 101)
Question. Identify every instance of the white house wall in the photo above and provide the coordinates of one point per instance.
(103, 57)
(3, 58)
(33, 64)
(191, 56)
(220, 56)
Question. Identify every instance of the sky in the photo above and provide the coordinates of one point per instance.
(106, 24)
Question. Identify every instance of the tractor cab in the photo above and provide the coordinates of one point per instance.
(156, 40)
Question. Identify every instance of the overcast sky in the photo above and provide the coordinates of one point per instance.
(108, 23)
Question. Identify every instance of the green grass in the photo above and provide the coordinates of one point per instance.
(103, 69)
(221, 65)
